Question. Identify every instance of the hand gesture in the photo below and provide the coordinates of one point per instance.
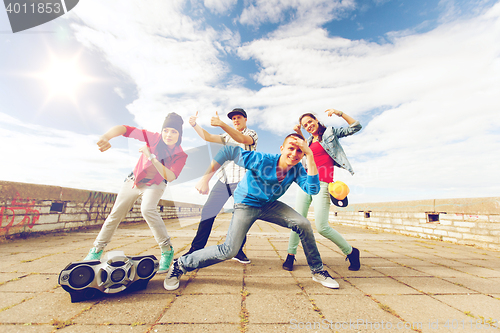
(145, 150)
(192, 119)
(332, 112)
(103, 144)
(215, 121)
(297, 129)
(301, 144)
(202, 186)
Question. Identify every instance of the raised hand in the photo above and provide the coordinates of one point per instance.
(301, 144)
(215, 121)
(297, 129)
(331, 112)
(192, 119)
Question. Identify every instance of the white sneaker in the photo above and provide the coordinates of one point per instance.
(325, 279)
(173, 276)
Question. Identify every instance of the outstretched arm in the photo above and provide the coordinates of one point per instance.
(235, 134)
(202, 133)
(113, 132)
(202, 185)
(227, 153)
(350, 120)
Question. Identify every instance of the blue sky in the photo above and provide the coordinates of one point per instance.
(421, 76)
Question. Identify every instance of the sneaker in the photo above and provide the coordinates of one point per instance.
(165, 261)
(354, 259)
(241, 257)
(94, 255)
(288, 264)
(173, 276)
(325, 279)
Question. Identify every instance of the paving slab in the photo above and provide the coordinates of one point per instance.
(403, 281)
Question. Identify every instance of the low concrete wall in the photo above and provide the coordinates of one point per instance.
(30, 208)
(473, 221)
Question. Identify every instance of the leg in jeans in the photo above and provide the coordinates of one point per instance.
(243, 218)
(150, 198)
(321, 203)
(124, 201)
(283, 215)
(218, 197)
(302, 203)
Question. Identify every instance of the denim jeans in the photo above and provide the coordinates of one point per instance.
(219, 195)
(321, 203)
(243, 218)
(126, 198)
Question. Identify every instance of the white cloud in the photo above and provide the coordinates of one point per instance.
(54, 157)
(439, 89)
(63, 158)
(220, 6)
(299, 12)
(454, 61)
(119, 92)
(170, 57)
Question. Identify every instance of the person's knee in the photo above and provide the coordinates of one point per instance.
(228, 252)
(302, 226)
(149, 212)
(324, 230)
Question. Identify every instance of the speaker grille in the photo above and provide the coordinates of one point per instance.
(117, 275)
(145, 268)
(81, 276)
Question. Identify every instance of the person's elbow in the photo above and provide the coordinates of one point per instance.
(169, 176)
(247, 141)
(313, 189)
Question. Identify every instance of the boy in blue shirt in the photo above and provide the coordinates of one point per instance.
(267, 178)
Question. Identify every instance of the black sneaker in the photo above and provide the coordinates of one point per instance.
(241, 257)
(173, 276)
(354, 260)
(288, 264)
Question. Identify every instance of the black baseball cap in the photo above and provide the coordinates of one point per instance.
(338, 193)
(235, 112)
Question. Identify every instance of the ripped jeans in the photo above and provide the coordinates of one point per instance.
(243, 218)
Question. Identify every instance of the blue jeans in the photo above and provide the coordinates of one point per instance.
(218, 197)
(243, 218)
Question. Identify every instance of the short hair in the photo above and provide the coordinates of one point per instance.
(297, 135)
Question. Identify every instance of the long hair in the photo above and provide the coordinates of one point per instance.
(321, 127)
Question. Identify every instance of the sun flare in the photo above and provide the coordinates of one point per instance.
(63, 78)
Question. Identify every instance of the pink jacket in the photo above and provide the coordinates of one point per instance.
(175, 162)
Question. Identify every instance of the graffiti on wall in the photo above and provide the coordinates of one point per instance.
(20, 209)
(98, 203)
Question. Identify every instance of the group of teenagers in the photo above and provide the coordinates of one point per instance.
(255, 180)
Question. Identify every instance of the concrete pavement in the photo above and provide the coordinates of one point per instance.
(405, 285)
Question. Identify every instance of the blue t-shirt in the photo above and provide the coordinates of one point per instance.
(260, 184)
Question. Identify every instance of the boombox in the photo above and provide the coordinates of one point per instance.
(112, 274)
